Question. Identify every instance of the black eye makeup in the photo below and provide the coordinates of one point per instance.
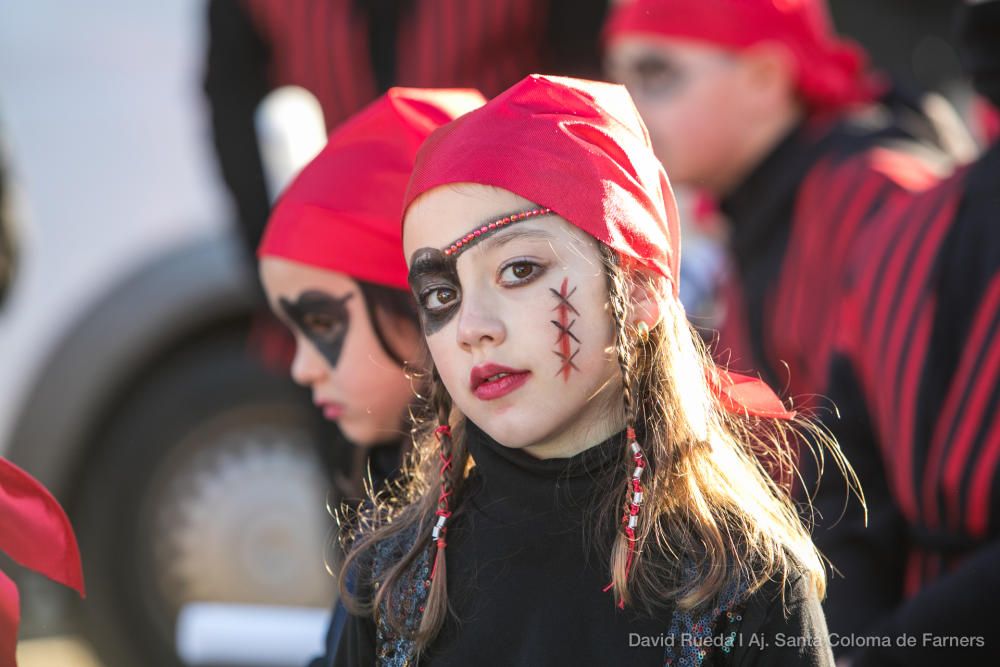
(434, 282)
(433, 274)
(322, 318)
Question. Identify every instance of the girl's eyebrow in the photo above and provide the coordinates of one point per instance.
(506, 236)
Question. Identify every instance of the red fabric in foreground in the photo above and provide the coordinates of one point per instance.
(10, 620)
(579, 148)
(35, 533)
(342, 212)
(830, 71)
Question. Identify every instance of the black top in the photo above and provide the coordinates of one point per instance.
(526, 575)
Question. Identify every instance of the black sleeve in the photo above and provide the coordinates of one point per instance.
(334, 631)
(235, 83)
(351, 642)
(953, 620)
(783, 632)
(868, 559)
(357, 643)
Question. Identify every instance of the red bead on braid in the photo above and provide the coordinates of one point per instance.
(443, 512)
(630, 518)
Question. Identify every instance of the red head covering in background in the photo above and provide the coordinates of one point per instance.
(579, 148)
(831, 71)
(341, 213)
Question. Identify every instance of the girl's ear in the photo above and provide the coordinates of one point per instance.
(645, 300)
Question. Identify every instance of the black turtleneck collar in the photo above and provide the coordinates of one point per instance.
(520, 482)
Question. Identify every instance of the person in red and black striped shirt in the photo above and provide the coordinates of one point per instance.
(347, 52)
(760, 104)
(920, 351)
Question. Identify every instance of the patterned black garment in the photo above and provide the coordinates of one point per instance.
(526, 583)
(796, 224)
(919, 352)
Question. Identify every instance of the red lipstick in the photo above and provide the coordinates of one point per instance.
(331, 410)
(491, 381)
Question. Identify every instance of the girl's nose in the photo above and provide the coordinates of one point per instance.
(308, 366)
(479, 324)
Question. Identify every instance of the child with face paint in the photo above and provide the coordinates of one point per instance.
(586, 485)
(331, 267)
(763, 106)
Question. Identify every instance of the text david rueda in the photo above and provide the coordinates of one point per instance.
(779, 640)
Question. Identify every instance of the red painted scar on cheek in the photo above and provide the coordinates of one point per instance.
(564, 346)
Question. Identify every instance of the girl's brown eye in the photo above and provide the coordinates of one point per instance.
(438, 298)
(517, 273)
(318, 321)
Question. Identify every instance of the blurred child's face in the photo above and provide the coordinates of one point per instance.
(337, 353)
(517, 323)
(697, 102)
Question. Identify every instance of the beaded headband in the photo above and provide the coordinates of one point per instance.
(477, 235)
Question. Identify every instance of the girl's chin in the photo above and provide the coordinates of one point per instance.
(366, 432)
(357, 431)
(510, 430)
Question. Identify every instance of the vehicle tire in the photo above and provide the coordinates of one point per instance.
(204, 486)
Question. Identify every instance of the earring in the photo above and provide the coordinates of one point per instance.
(642, 329)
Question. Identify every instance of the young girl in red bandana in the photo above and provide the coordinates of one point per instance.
(332, 270)
(586, 485)
(330, 263)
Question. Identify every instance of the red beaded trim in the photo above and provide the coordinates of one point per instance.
(493, 226)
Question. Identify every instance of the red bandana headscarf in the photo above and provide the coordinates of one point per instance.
(830, 70)
(579, 148)
(341, 213)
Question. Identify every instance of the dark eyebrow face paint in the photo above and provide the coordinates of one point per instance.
(433, 276)
(323, 319)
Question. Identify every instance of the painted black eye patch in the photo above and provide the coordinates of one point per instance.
(431, 273)
(323, 319)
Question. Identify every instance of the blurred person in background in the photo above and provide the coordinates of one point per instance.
(332, 267)
(763, 107)
(916, 373)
